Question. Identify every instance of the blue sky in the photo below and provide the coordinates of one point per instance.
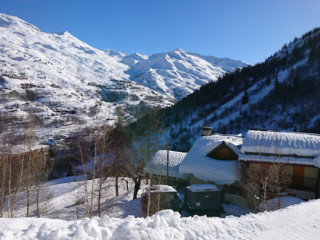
(249, 30)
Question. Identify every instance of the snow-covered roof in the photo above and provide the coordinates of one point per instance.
(158, 164)
(203, 188)
(281, 143)
(203, 167)
(285, 159)
(317, 161)
(162, 188)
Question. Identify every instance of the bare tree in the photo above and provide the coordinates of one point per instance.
(251, 187)
(94, 147)
(102, 170)
(9, 164)
(146, 144)
(3, 181)
(84, 171)
(19, 184)
(29, 141)
(279, 180)
(41, 168)
(120, 153)
(268, 180)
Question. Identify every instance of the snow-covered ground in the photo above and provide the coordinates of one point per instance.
(295, 222)
(67, 191)
(276, 203)
(121, 219)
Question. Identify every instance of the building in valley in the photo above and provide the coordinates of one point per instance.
(297, 153)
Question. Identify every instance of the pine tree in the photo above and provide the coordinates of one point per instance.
(245, 98)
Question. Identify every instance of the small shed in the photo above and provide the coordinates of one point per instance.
(203, 199)
(161, 197)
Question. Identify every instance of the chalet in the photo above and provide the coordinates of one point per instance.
(214, 159)
(299, 153)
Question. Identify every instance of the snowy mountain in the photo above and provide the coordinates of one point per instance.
(226, 64)
(63, 82)
(176, 73)
(281, 93)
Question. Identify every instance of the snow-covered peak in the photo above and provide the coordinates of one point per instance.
(226, 64)
(134, 58)
(118, 55)
(178, 51)
(175, 73)
(139, 56)
(16, 23)
(65, 32)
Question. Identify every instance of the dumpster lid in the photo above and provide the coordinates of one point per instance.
(203, 188)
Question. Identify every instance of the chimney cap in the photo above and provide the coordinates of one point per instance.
(206, 131)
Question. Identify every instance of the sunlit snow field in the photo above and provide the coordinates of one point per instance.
(122, 220)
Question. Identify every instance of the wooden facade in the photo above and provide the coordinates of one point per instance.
(223, 152)
(304, 182)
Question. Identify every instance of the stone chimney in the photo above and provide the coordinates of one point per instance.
(206, 131)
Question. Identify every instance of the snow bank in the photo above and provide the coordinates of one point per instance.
(219, 171)
(281, 143)
(158, 163)
(295, 222)
(283, 202)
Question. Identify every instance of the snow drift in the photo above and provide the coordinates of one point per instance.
(295, 222)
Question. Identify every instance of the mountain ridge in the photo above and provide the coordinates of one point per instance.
(167, 71)
(64, 82)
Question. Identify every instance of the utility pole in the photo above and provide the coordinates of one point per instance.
(168, 147)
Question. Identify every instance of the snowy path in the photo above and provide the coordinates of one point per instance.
(296, 222)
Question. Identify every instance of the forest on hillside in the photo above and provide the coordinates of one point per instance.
(281, 93)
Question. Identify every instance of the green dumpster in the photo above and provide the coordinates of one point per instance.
(161, 197)
(203, 199)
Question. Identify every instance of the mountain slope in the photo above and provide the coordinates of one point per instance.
(176, 73)
(65, 83)
(62, 81)
(282, 93)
